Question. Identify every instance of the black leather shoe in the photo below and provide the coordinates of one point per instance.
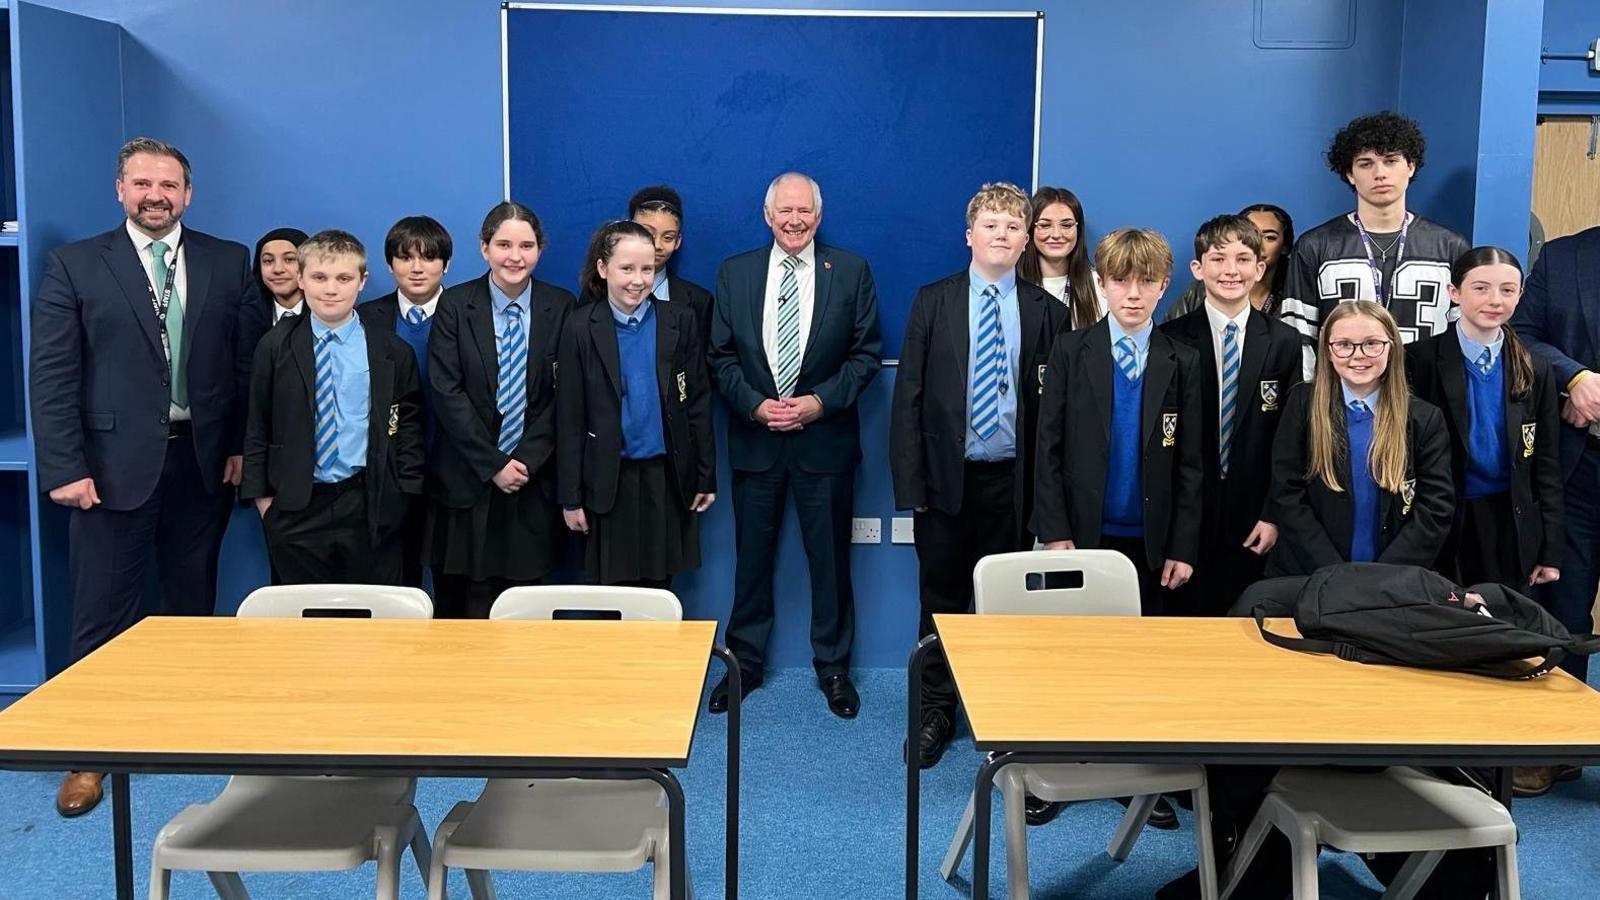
(1162, 817)
(932, 738)
(1041, 812)
(842, 697)
(719, 694)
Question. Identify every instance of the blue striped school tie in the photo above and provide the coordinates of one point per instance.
(1230, 390)
(1486, 362)
(989, 381)
(327, 426)
(1358, 407)
(416, 316)
(788, 329)
(512, 399)
(1128, 358)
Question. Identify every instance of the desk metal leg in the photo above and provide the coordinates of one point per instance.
(1502, 793)
(982, 811)
(122, 833)
(676, 845)
(919, 658)
(735, 701)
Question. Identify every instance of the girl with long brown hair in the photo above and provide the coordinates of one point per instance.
(1500, 403)
(1057, 255)
(1361, 469)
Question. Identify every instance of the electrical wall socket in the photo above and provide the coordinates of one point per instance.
(903, 530)
(866, 531)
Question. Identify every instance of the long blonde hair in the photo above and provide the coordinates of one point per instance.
(1328, 443)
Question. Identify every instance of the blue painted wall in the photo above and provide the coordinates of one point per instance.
(1440, 87)
(315, 114)
(1570, 26)
(1503, 196)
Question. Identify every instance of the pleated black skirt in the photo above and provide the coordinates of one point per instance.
(512, 536)
(650, 534)
(1488, 547)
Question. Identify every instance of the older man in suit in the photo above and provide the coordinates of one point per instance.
(142, 341)
(794, 342)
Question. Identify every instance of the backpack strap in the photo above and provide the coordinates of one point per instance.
(1303, 644)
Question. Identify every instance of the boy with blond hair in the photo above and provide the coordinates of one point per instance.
(961, 437)
(334, 438)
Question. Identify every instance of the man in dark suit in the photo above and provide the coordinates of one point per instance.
(142, 450)
(794, 343)
(961, 436)
(1559, 320)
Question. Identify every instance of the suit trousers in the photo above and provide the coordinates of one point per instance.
(823, 503)
(1571, 599)
(330, 541)
(948, 547)
(180, 527)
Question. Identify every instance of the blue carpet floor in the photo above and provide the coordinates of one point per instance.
(823, 818)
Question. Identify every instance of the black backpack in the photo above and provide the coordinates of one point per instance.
(1410, 616)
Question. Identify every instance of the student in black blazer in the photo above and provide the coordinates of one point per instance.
(660, 209)
(332, 460)
(145, 453)
(493, 521)
(1257, 359)
(417, 249)
(966, 397)
(1331, 508)
(1500, 405)
(1119, 429)
(635, 452)
(793, 424)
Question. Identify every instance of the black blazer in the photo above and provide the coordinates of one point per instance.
(464, 366)
(699, 300)
(280, 439)
(1316, 525)
(1075, 444)
(589, 407)
(928, 418)
(1559, 320)
(1269, 367)
(99, 381)
(381, 312)
(1531, 428)
(842, 356)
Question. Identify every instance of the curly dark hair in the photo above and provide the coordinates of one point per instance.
(1382, 133)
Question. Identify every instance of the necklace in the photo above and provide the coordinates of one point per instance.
(1383, 252)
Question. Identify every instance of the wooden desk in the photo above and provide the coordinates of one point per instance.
(1211, 691)
(378, 697)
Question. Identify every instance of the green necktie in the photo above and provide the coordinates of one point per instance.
(158, 267)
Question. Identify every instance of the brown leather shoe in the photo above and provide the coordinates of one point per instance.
(1532, 781)
(80, 792)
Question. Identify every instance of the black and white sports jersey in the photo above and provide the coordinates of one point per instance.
(1330, 265)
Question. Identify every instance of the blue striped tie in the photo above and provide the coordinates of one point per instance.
(788, 329)
(416, 316)
(1358, 407)
(1230, 390)
(989, 381)
(1128, 358)
(512, 399)
(327, 424)
(1486, 362)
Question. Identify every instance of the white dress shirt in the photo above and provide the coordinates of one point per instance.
(180, 283)
(805, 274)
(1219, 324)
(406, 306)
(279, 310)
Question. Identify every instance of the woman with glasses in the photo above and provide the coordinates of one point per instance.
(1360, 468)
(1057, 255)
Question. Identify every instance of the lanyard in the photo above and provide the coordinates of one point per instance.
(162, 300)
(1367, 244)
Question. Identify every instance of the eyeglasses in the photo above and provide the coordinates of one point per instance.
(1065, 227)
(1369, 348)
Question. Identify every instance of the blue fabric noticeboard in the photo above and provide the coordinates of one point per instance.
(899, 118)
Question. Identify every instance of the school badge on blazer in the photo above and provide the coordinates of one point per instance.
(1527, 438)
(1408, 493)
(1269, 396)
(683, 388)
(1041, 378)
(394, 420)
(1169, 429)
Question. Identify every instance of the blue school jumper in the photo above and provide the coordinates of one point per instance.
(642, 435)
(1488, 462)
(1363, 489)
(1122, 514)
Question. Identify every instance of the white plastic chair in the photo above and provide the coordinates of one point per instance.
(301, 824)
(1399, 810)
(561, 825)
(1110, 588)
